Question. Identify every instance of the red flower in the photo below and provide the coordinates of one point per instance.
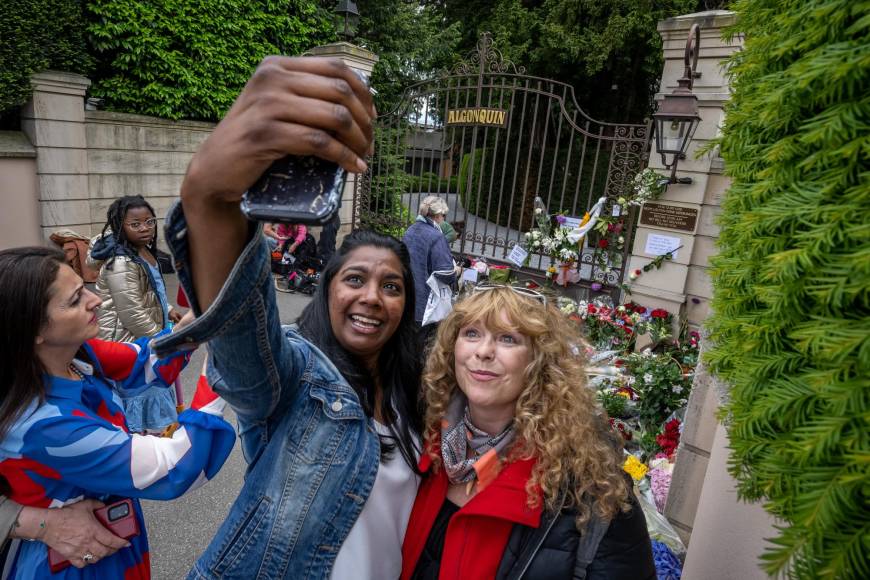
(659, 313)
(591, 309)
(603, 243)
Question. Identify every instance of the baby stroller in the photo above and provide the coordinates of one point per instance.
(299, 271)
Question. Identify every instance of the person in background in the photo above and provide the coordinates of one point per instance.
(271, 236)
(328, 235)
(524, 474)
(63, 434)
(134, 300)
(429, 251)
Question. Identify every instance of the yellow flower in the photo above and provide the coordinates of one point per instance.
(623, 394)
(634, 468)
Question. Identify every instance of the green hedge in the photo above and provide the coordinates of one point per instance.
(428, 182)
(791, 331)
(190, 58)
(36, 35)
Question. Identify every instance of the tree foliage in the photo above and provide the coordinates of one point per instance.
(791, 329)
(190, 58)
(608, 50)
(412, 42)
(36, 35)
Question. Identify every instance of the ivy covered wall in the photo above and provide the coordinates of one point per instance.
(791, 331)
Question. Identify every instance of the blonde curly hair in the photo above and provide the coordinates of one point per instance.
(558, 420)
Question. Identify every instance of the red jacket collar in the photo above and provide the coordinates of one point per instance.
(505, 498)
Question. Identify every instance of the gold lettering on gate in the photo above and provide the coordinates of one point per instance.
(477, 116)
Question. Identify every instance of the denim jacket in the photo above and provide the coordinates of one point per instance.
(312, 454)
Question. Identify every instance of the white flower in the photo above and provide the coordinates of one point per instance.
(677, 389)
(647, 352)
(621, 239)
(537, 211)
(648, 378)
(620, 308)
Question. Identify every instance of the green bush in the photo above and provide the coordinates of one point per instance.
(36, 35)
(190, 58)
(383, 210)
(791, 331)
(428, 182)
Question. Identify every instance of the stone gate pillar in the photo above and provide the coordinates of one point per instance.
(725, 537)
(362, 60)
(54, 121)
(685, 215)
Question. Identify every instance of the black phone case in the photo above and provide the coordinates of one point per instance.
(304, 190)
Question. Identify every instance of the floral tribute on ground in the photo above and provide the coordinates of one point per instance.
(644, 395)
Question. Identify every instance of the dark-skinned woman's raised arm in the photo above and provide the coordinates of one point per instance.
(299, 106)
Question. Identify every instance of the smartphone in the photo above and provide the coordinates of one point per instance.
(298, 189)
(118, 517)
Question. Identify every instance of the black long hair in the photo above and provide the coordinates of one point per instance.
(115, 216)
(26, 277)
(399, 363)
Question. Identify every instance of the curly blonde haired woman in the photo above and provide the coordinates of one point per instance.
(524, 474)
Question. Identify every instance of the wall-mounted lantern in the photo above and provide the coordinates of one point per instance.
(348, 13)
(677, 116)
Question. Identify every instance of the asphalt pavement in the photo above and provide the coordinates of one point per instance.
(179, 530)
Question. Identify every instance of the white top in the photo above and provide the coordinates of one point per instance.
(373, 548)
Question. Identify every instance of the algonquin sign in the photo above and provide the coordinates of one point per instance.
(477, 116)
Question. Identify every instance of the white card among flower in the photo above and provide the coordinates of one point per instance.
(657, 244)
(571, 222)
(517, 256)
(470, 275)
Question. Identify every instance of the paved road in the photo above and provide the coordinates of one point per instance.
(180, 530)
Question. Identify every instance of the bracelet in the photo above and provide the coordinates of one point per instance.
(17, 524)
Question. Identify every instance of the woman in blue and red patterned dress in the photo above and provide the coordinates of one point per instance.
(63, 434)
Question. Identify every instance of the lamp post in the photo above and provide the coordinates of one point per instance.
(677, 116)
(347, 10)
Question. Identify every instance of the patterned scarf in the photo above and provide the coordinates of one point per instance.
(469, 453)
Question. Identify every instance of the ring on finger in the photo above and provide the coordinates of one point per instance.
(88, 558)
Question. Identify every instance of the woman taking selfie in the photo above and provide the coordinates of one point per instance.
(327, 410)
(523, 474)
(63, 435)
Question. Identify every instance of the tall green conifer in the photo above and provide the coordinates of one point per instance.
(792, 279)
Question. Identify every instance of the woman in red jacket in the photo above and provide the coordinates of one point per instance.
(524, 475)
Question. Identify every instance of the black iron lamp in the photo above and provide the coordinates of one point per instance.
(677, 116)
(347, 11)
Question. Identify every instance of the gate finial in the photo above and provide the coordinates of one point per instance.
(486, 59)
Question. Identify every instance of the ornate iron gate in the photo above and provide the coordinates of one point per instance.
(488, 138)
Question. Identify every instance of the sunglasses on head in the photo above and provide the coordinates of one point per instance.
(527, 292)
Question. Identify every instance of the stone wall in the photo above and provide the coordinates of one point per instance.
(137, 155)
(85, 159)
(19, 206)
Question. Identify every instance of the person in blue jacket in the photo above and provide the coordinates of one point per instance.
(430, 253)
(328, 410)
(63, 434)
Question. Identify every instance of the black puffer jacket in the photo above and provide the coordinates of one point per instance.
(554, 551)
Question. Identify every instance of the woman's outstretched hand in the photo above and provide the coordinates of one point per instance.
(290, 106)
(296, 106)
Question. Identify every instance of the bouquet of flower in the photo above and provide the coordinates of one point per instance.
(647, 186)
(553, 242)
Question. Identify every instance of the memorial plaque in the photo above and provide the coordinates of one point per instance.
(669, 217)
